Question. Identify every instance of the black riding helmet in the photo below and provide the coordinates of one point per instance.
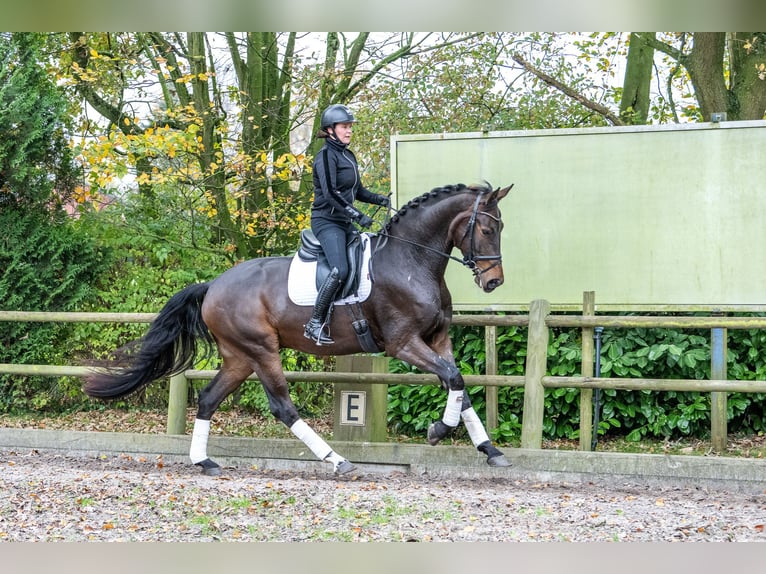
(336, 114)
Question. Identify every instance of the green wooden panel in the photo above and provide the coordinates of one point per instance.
(644, 216)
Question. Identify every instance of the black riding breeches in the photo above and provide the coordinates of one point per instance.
(334, 237)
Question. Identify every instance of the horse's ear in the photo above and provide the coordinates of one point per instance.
(499, 194)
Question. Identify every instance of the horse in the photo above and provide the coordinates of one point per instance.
(246, 313)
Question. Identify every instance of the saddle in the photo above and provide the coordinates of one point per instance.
(311, 250)
(351, 293)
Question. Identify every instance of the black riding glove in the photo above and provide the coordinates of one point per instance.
(384, 201)
(364, 221)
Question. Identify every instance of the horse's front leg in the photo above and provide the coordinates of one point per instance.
(479, 436)
(458, 403)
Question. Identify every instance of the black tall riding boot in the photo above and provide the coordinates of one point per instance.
(316, 327)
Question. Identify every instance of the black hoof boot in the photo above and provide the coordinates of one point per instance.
(437, 431)
(498, 461)
(343, 467)
(494, 456)
(209, 468)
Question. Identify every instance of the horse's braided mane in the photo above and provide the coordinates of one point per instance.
(438, 193)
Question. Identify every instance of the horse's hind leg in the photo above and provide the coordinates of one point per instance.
(226, 381)
(282, 407)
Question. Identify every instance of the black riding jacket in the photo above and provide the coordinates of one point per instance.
(337, 184)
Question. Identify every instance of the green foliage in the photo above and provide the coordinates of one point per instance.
(158, 246)
(630, 353)
(34, 156)
(46, 262)
(44, 267)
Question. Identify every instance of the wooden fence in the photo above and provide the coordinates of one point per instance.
(538, 321)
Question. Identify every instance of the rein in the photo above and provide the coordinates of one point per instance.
(467, 260)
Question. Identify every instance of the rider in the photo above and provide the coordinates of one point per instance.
(336, 186)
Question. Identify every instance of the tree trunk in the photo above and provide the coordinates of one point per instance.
(211, 142)
(705, 65)
(634, 106)
(326, 93)
(747, 52)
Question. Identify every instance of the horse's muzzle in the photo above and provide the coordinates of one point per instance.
(493, 284)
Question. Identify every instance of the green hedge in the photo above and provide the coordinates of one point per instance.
(645, 353)
(45, 265)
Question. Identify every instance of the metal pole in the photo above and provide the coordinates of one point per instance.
(491, 392)
(597, 392)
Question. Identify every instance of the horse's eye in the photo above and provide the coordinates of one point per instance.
(488, 231)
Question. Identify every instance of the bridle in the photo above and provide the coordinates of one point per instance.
(470, 259)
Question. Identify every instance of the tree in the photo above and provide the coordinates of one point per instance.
(46, 264)
(727, 70)
(219, 113)
(719, 71)
(34, 155)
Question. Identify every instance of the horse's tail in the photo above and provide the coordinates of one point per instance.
(168, 347)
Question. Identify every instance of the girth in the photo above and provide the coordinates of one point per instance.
(311, 250)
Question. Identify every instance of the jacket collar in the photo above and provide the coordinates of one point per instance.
(336, 144)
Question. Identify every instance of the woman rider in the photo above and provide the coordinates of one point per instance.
(336, 186)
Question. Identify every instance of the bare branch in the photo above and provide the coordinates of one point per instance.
(578, 97)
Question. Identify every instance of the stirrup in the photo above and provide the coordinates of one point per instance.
(316, 332)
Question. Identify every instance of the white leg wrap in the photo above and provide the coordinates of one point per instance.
(198, 450)
(474, 426)
(335, 459)
(311, 439)
(452, 410)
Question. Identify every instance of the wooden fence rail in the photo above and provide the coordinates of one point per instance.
(538, 321)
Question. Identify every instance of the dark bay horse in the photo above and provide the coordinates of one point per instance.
(247, 314)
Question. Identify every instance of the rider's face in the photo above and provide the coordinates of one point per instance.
(343, 132)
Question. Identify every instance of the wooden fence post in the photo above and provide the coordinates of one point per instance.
(536, 366)
(586, 395)
(360, 412)
(177, 401)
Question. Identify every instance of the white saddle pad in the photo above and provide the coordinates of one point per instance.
(301, 280)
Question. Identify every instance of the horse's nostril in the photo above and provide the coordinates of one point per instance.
(492, 284)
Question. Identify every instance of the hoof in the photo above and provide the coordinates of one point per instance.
(498, 461)
(436, 432)
(209, 468)
(343, 467)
